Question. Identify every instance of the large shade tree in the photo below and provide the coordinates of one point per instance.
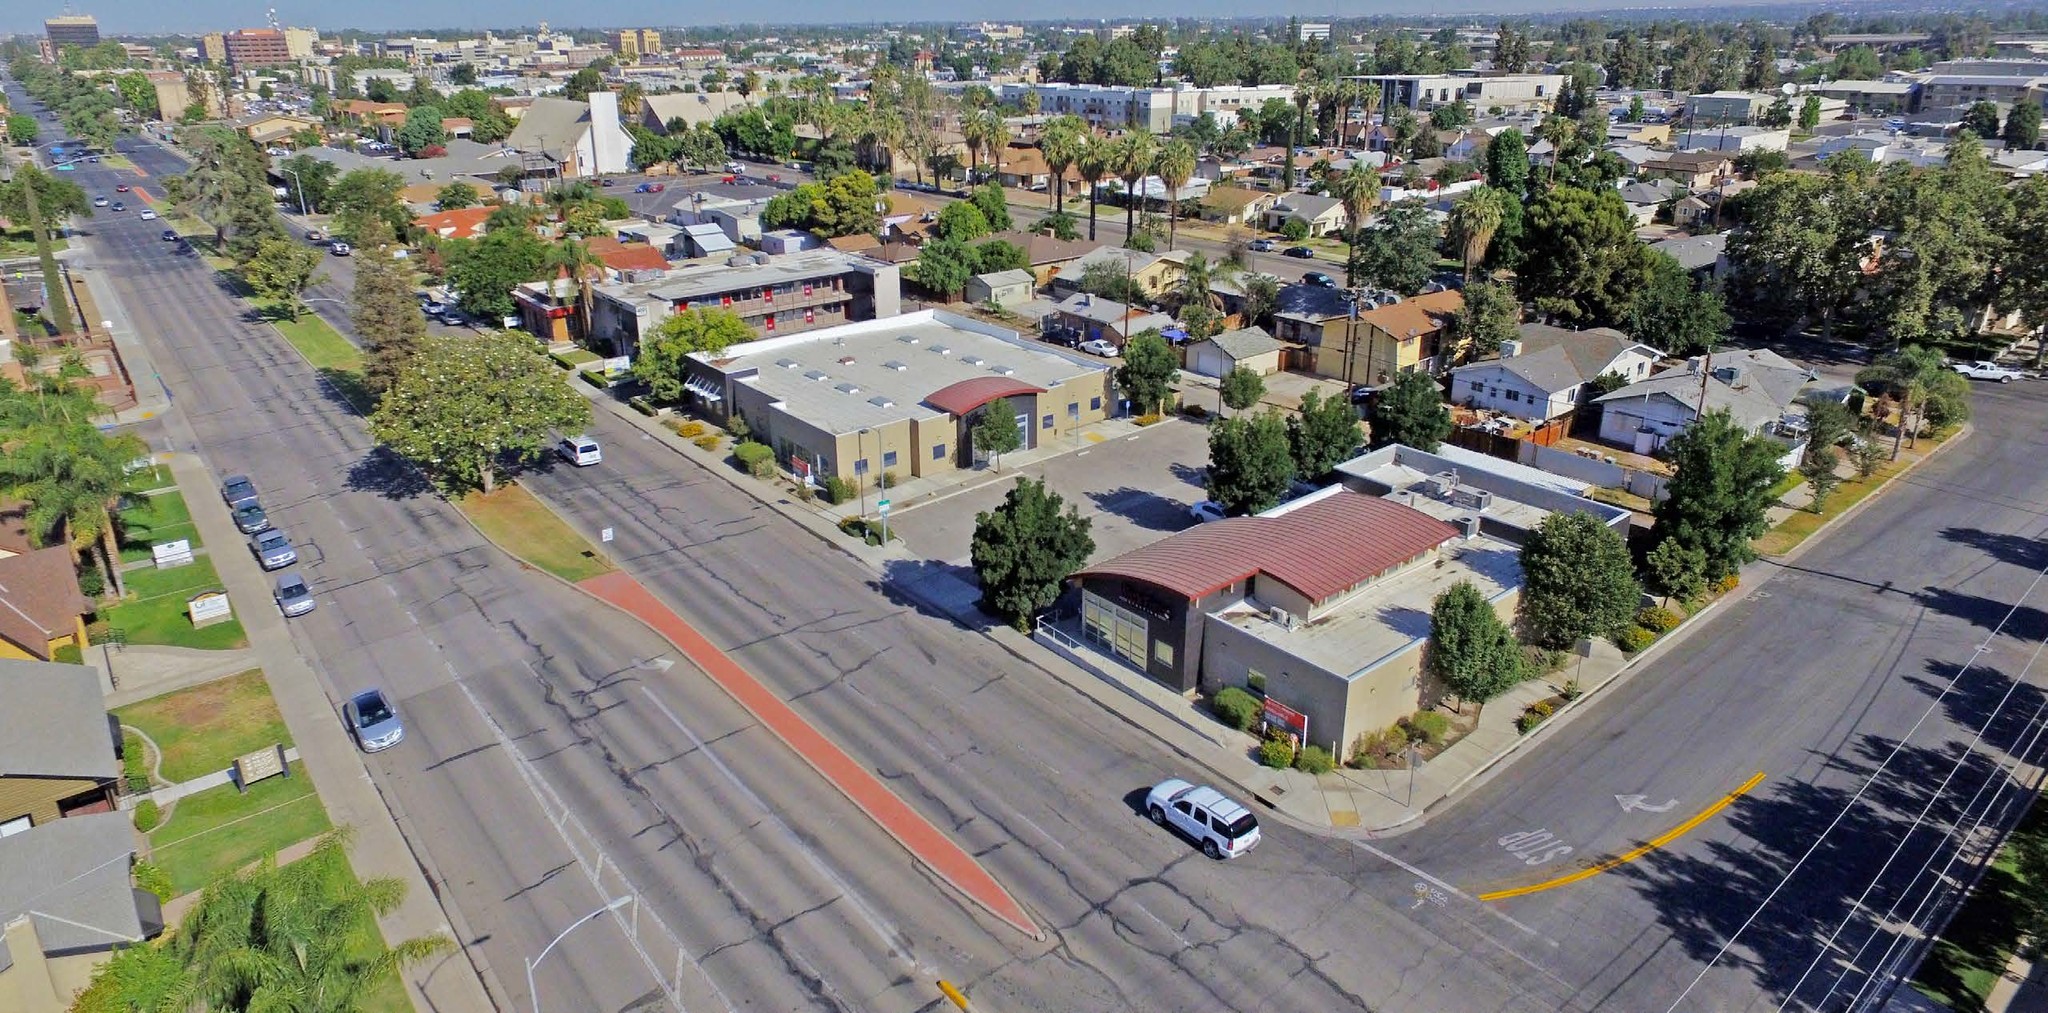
(1025, 548)
(469, 407)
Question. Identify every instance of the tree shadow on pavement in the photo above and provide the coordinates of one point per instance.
(388, 475)
(1196, 475)
(2018, 550)
(943, 591)
(2024, 623)
(1142, 507)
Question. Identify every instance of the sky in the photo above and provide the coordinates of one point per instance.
(131, 17)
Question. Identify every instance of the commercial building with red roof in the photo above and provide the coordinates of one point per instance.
(1323, 604)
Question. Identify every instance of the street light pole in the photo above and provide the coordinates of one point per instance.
(615, 904)
(300, 187)
(860, 469)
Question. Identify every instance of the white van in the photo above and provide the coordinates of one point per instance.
(581, 451)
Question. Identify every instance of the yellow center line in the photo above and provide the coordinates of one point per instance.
(1631, 855)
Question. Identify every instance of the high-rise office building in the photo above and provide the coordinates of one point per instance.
(72, 30)
(257, 47)
(635, 42)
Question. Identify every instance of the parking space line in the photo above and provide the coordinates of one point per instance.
(1634, 853)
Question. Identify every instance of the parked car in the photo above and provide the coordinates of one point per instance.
(99, 202)
(273, 549)
(1206, 511)
(607, 181)
(581, 451)
(1099, 346)
(1223, 827)
(294, 598)
(452, 317)
(169, 236)
(118, 206)
(250, 518)
(1299, 252)
(1319, 280)
(237, 490)
(373, 721)
(315, 236)
(148, 215)
(735, 167)
(1262, 246)
(1981, 370)
(650, 188)
(432, 308)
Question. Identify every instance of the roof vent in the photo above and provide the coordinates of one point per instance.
(814, 374)
(973, 360)
(897, 366)
(1001, 370)
(1281, 617)
(846, 360)
(1443, 484)
(881, 402)
(786, 363)
(847, 388)
(1470, 522)
(908, 339)
(942, 350)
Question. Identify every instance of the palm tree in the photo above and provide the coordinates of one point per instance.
(1198, 278)
(1910, 371)
(1304, 95)
(1176, 166)
(574, 260)
(1358, 189)
(995, 133)
(1132, 160)
(1368, 103)
(631, 98)
(1559, 131)
(972, 135)
(1474, 220)
(1061, 143)
(1093, 165)
(73, 478)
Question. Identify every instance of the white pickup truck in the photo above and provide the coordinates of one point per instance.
(1981, 370)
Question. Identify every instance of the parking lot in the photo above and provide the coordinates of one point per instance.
(1137, 488)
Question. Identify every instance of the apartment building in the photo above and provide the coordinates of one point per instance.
(1716, 108)
(1155, 109)
(775, 295)
(1422, 92)
(81, 30)
(634, 42)
(257, 47)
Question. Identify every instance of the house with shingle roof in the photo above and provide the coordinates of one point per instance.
(42, 610)
(1247, 347)
(1541, 374)
(1757, 387)
(57, 745)
(68, 901)
(1236, 205)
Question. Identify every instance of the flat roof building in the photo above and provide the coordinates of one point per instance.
(257, 47)
(775, 295)
(1480, 91)
(897, 395)
(81, 30)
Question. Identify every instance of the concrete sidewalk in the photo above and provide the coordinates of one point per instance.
(144, 671)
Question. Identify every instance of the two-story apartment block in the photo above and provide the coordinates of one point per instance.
(1727, 108)
(1542, 373)
(774, 295)
(1508, 92)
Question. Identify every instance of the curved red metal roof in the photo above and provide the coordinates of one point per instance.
(960, 398)
(1318, 549)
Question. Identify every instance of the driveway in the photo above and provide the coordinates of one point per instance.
(1137, 488)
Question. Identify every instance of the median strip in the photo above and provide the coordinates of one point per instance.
(1631, 855)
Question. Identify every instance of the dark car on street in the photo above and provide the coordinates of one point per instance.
(1319, 280)
(237, 490)
(1299, 252)
(250, 518)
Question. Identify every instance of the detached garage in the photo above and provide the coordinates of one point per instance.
(1003, 288)
(1249, 347)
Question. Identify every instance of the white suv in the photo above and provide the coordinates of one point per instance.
(1224, 828)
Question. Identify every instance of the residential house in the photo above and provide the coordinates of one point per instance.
(1694, 170)
(374, 119)
(1236, 205)
(1465, 144)
(774, 295)
(1646, 197)
(1736, 140)
(272, 129)
(1704, 256)
(1047, 255)
(461, 223)
(1406, 337)
(663, 113)
(738, 215)
(1023, 166)
(1727, 107)
(1245, 348)
(1699, 212)
(1541, 374)
(626, 261)
(1322, 216)
(574, 139)
(458, 126)
(663, 237)
(1092, 317)
(42, 610)
(706, 239)
(1151, 274)
(68, 900)
(1757, 387)
(57, 745)
(1311, 315)
(1001, 288)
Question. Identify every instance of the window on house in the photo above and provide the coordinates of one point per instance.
(1478, 387)
(1515, 395)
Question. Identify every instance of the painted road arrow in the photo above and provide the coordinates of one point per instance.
(1633, 803)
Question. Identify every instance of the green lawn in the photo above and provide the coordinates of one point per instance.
(526, 528)
(22, 243)
(156, 476)
(317, 340)
(150, 520)
(154, 611)
(220, 830)
(201, 730)
(1961, 968)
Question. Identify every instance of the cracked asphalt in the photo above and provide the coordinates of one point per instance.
(782, 896)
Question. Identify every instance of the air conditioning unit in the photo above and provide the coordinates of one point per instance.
(1281, 617)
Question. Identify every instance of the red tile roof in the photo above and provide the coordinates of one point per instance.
(626, 256)
(461, 223)
(967, 395)
(1318, 549)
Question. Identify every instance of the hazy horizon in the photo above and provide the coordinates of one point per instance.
(196, 16)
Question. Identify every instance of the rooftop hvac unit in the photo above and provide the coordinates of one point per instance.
(941, 349)
(972, 360)
(1281, 617)
(1443, 484)
(1470, 522)
(1476, 499)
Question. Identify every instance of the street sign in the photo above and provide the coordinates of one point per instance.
(883, 505)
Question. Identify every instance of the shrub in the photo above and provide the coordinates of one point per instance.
(838, 490)
(1237, 708)
(1535, 715)
(134, 766)
(595, 379)
(560, 361)
(1634, 638)
(1727, 584)
(153, 879)
(737, 426)
(1147, 419)
(1386, 748)
(91, 583)
(690, 430)
(640, 405)
(1429, 726)
(1276, 753)
(1657, 619)
(708, 441)
(756, 459)
(888, 480)
(1294, 229)
(1314, 760)
(147, 816)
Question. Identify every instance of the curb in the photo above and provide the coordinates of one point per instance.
(1968, 429)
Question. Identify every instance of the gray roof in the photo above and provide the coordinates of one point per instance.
(692, 107)
(1312, 302)
(1245, 342)
(1655, 191)
(551, 125)
(1109, 311)
(1590, 350)
(1779, 378)
(1308, 206)
(54, 723)
(1016, 276)
(1694, 252)
(72, 878)
(709, 236)
(464, 158)
(1546, 369)
(1749, 406)
(698, 279)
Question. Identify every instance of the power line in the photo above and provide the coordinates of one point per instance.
(1858, 797)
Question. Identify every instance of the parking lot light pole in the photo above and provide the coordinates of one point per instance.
(615, 904)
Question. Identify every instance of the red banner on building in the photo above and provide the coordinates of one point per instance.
(1277, 713)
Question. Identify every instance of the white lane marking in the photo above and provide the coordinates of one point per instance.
(892, 938)
(1423, 894)
(1418, 873)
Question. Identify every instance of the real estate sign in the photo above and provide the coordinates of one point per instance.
(209, 607)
